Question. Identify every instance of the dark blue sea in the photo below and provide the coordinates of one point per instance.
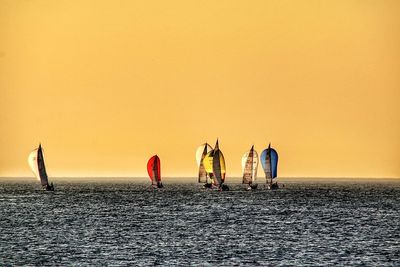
(113, 222)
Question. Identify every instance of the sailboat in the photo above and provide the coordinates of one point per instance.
(214, 163)
(249, 167)
(201, 152)
(154, 171)
(36, 162)
(269, 162)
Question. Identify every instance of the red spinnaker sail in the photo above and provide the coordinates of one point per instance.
(153, 169)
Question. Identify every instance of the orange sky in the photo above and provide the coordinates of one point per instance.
(106, 84)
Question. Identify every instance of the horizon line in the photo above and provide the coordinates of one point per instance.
(195, 177)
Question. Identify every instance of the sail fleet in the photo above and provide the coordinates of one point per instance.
(212, 169)
(210, 161)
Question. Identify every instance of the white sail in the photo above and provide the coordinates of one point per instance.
(32, 161)
(199, 152)
(36, 162)
(250, 166)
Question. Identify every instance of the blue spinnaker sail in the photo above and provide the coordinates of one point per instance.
(269, 162)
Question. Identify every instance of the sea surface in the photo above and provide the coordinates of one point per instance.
(119, 223)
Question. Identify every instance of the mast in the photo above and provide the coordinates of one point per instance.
(270, 162)
(155, 168)
(252, 162)
(204, 154)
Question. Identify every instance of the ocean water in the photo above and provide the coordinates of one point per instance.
(308, 223)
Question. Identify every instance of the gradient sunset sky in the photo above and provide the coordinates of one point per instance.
(104, 85)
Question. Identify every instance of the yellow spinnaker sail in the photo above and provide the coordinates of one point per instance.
(208, 162)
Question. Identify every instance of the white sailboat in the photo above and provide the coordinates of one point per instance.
(36, 162)
(249, 167)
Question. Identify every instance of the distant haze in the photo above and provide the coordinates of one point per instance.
(104, 85)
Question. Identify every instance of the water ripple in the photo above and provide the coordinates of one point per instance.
(128, 224)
